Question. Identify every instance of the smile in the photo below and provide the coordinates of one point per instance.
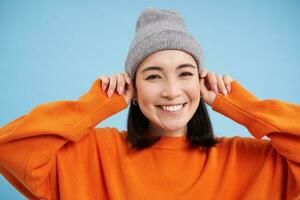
(173, 108)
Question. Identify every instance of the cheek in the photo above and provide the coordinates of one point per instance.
(147, 94)
(193, 89)
(146, 98)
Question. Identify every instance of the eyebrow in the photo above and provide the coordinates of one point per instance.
(161, 69)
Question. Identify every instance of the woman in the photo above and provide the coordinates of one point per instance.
(169, 150)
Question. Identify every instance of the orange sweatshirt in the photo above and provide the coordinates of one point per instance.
(55, 152)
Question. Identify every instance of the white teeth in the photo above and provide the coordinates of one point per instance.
(172, 108)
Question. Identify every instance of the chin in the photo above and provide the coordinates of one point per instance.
(174, 127)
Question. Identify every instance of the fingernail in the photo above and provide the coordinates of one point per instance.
(120, 90)
(224, 92)
(202, 74)
(109, 94)
(215, 89)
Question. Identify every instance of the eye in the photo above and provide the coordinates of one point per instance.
(186, 74)
(152, 77)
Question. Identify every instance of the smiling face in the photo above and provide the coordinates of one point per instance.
(168, 91)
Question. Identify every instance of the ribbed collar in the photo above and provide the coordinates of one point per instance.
(171, 142)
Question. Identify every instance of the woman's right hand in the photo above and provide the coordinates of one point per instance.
(118, 82)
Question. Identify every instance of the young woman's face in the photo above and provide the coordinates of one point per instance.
(168, 91)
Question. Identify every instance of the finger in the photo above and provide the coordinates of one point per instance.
(207, 84)
(206, 95)
(221, 85)
(120, 83)
(127, 78)
(212, 81)
(202, 72)
(227, 81)
(104, 81)
(112, 85)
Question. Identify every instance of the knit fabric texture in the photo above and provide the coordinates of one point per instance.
(56, 152)
(160, 29)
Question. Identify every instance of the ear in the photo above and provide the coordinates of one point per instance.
(135, 94)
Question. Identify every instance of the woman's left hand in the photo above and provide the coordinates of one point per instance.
(211, 84)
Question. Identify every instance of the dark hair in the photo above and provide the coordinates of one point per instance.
(199, 129)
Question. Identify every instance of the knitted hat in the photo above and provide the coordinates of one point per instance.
(160, 29)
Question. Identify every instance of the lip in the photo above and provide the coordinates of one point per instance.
(173, 112)
(174, 104)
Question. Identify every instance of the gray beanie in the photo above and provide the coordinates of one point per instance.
(159, 29)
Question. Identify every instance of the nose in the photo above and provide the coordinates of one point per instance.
(171, 90)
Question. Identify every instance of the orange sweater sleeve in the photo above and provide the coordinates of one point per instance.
(279, 121)
(28, 144)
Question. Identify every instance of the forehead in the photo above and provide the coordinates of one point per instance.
(168, 59)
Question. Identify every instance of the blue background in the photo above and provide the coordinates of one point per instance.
(54, 50)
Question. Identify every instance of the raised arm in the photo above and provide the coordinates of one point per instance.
(28, 144)
(280, 121)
